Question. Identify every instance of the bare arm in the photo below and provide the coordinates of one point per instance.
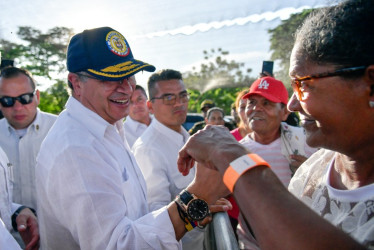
(278, 219)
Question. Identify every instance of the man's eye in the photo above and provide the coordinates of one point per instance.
(168, 97)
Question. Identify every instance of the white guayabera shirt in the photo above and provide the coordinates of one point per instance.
(91, 193)
(22, 154)
(7, 208)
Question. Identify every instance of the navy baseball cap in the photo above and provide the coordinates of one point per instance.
(103, 53)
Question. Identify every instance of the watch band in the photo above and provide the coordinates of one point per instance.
(188, 224)
(239, 166)
(186, 196)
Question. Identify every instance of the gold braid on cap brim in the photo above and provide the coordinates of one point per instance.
(129, 67)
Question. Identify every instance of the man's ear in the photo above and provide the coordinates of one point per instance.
(75, 81)
(369, 80)
(150, 106)
(37, 93)
(285, 113)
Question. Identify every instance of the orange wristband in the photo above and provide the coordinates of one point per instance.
(239, 166)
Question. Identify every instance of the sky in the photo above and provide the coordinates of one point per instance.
(166, 33)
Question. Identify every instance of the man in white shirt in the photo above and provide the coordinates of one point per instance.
(156, 151)
(281, 145)
(138, 119)
(22, 131)
(14, 216)
(91, 193)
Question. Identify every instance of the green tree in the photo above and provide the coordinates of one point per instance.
(54, 98)
(218, 79)
(41, 53)
(281, 43)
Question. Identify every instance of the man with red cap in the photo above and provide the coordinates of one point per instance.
(281, 145)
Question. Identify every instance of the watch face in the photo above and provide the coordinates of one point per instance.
(197, 209)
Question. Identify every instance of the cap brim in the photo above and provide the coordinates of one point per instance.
(267, 96)
(121, 70)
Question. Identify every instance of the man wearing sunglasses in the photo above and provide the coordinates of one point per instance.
(22, 130)
(156, 151)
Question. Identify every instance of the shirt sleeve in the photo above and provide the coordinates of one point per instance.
(86, 190)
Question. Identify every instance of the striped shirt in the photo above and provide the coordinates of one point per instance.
(273, 155)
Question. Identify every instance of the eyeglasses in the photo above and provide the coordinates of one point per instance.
(171, 99)
(8, 101)
(297, 84)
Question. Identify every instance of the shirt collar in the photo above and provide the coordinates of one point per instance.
(35, 125)
(171, 134)
(92, 121)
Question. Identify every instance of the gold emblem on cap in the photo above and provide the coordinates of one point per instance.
(116, 43)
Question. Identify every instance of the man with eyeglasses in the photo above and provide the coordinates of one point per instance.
(22, 131)
(138, 119)
(91, 192)
(156, 150)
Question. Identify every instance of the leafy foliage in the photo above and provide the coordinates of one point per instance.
(217, 79)
(43, 53)
(54, 98)
(282, 40)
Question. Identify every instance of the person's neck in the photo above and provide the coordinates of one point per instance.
(264, 139)
(146, 120)
(352, 172)
(243, 131)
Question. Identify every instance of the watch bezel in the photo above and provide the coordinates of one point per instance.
(193, 203)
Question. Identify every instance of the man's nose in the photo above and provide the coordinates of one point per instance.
(126, 85)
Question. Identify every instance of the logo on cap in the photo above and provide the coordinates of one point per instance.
(263, 84)
(117, 44)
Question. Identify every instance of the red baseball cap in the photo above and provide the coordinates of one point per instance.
(270, 88)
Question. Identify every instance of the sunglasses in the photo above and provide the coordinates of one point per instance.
(297, 83)
(8, 101)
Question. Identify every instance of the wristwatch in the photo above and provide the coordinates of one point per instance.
(196, 209)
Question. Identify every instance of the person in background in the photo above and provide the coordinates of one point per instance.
(156, 151)
(329, 201)
(240, 104)
(14, 216)
(205, 106)
(281, 145)
(215, 116)
(91, 192)
(239, 133)
(22, 131)
(138, 119)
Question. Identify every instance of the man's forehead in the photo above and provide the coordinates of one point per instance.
(17, 79)
(138, 95)
(171, 86)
